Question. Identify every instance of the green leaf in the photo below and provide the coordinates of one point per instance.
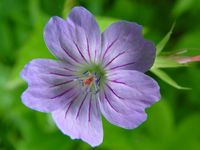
(104, 22)
(166, 62)
(6, 97)
(188, 133)
(166, 78)
(181, 6)
(51, 142)
(189, 40)
(33, 48)
(6, 42)
(67, 7)
(190, 123)
(160, 46)
(112, 140)
(160, 121)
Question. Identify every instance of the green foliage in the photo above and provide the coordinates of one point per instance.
(104, 22)
(160, 46)
(166, 62)
(162, 112)
(33, 48)
(162, 75)
(182, 6)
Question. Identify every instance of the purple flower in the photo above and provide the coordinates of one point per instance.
(95, 73)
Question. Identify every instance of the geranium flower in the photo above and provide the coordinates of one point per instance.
(95, 73)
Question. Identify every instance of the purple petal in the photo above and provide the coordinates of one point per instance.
(50, 85)
(84, 31)
(126, 95)
(124, 47)
(53, 33)
(77, 39)
(81, 119)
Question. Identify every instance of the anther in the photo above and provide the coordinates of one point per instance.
(89, 82)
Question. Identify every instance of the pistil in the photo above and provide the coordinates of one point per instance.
(89, 82)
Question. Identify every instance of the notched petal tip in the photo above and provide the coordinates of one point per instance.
(125, 41)
(24, 72)
(81, 119)
(130, 93)
(91, 143)
(79, 127)
(80, 8)
(38, 95)
(53, 21)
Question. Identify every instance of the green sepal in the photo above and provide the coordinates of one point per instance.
(166, 78)
(160, 46)
(166, 62)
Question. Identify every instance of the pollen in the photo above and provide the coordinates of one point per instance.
(89, 81)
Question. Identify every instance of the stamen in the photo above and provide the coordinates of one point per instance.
(89, 82)
(85, 73)
(97, 81)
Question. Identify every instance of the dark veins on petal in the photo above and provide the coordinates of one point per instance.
(116, 67)
(73, 58)
(89, 112)
(62, 83)
(88, 48)
(69, 69)
(63, 93)
(69, 104)
(95, 55)
(144, 95)
(109, 47)
(115, 81)
(80, 52)
(79, 109)
(113, 92)
(59, 74)
(114, 58)
(106, 98)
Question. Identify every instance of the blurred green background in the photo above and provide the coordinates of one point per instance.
(172, 124)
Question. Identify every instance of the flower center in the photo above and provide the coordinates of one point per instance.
(89, 82)
(91, 78)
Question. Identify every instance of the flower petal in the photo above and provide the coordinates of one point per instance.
(84, 33)
(55, 31)
(81, 119)
(76, 40)
(126, 96)
(124, 47)
(50, 85)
